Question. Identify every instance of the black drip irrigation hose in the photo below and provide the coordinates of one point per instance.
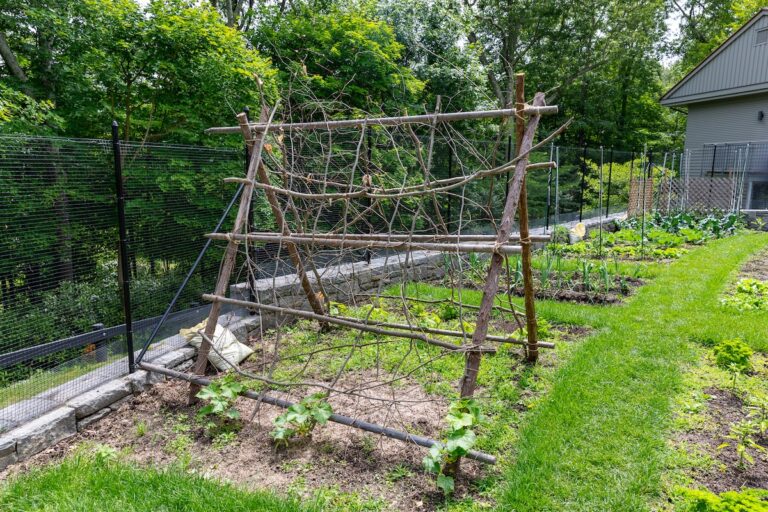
(424, 442)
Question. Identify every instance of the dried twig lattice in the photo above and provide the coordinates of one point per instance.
(338, 187)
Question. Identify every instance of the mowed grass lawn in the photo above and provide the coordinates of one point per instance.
(595, 442)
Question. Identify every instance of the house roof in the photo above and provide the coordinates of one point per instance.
(737, 67)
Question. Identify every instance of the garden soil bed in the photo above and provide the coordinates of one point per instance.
(578, 293)
(725, 409)
(158, 428)
(756, 268)
(337, 457)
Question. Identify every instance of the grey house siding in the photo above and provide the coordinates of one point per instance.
(717, 136)
(724, 94)
(732, 120)
(738, 67)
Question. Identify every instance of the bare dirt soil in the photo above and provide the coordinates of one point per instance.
(756, 268)
(157, 427)
(725, 409)
(577, 292)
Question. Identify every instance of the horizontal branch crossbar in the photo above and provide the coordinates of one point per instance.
(357, 192)
(424, 442)
(453, 334)
(389, 121)
(353, 324)
(459, 247)
(384, 237)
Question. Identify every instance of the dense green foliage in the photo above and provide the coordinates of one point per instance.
(748, 500)
(749, 295)
(169, 68)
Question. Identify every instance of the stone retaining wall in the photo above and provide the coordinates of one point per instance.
(83, 410)
(340, 282)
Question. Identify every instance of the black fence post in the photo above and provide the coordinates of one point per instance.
(583, 183)
(123, 272)
(610, 176)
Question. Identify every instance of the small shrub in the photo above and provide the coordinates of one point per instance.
(733, 355)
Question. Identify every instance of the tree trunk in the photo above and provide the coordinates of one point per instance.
(13, 65)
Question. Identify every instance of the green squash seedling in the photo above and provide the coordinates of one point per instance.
(299, 420)
(462, 417)
(220, 411)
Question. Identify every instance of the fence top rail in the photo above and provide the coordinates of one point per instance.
(388, 121)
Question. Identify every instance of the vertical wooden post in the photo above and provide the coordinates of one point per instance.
(228, 261)
(532, 351)
(491, 288)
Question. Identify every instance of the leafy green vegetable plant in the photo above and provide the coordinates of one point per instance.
(746, 500)
(220, 409)
(733, 355)
(743, 434)
(300, 419)
(463, 416)
(749, 295)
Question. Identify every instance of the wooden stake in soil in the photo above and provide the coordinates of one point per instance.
(532, 350)
(472, 363)
(230, 254)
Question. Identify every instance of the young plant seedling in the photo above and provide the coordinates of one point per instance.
(743, 433)
(220, 411)
(300, 419)
(441, 460)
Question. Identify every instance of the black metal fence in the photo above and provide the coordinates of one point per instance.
(62, 325)
(61, 317)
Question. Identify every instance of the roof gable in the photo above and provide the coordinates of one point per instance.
(738, 66)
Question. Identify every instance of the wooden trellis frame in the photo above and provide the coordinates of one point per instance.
(499, 245)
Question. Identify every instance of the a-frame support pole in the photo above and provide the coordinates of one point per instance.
(472, 362)
(228, 261)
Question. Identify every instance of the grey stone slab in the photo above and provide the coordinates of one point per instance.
(93, 418)
(101, 397)
(7, 446)
(139, 381)
(116, 405)
(44, 432)
(175, 357)
(7, 460)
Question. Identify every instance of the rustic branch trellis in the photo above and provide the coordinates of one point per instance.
(328, 190)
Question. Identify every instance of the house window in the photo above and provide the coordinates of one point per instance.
(759, 199)
(762, 36)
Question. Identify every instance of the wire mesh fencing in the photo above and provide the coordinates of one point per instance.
(61, 318)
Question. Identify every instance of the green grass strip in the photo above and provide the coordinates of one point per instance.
(85, 484)
(597, 442)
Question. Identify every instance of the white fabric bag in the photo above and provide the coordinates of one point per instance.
(232, 351)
